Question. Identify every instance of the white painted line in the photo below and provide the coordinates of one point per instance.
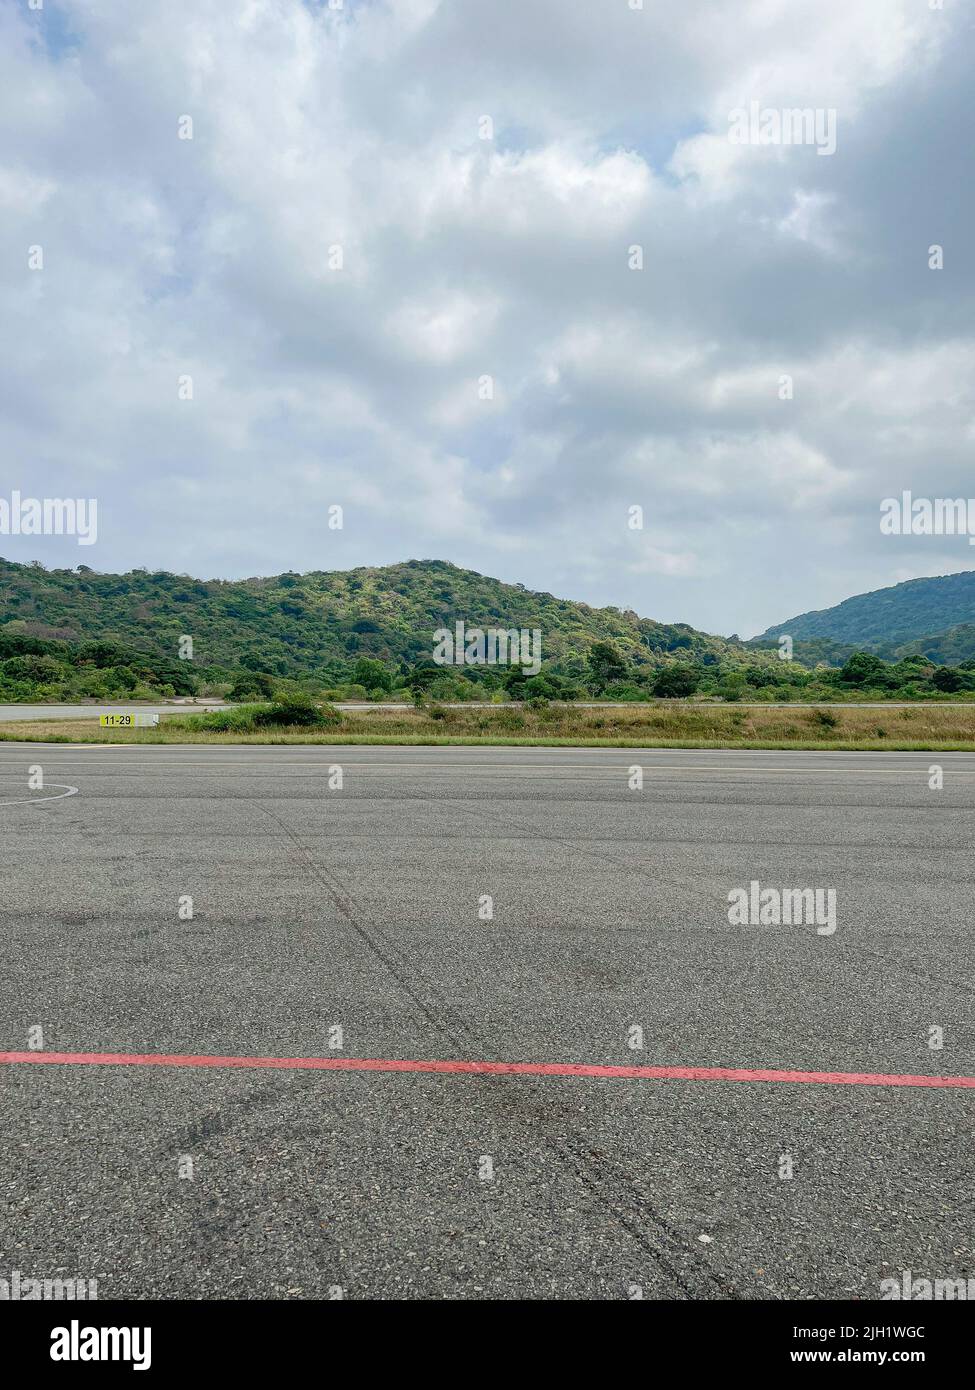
(502, 769)
(36, 800)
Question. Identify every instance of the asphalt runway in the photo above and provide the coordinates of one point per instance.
(362, 908)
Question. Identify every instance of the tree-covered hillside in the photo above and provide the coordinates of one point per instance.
(369, 633)
(33, 668)
(295, 625)
(951, 647)
(885, 620)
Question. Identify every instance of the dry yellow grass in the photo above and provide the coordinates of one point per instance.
(921, 726)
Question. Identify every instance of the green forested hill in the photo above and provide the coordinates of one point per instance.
(292, 625)
(885, 620)
(69, 634)
(948, 648)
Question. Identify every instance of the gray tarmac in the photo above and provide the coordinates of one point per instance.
(360, 907)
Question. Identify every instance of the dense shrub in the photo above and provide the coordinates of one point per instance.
(239, 720)
(675, 682)
(290, 712)
(296, 709)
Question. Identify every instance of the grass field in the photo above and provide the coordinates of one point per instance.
(667, 725)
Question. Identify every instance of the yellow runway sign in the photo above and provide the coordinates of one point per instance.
(120, 720)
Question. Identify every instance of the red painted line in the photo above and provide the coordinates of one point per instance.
(383, 1064)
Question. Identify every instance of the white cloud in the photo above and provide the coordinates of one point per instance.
(508, 257)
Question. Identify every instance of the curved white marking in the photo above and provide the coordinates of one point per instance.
(35, 800)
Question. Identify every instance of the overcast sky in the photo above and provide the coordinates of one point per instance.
(464, 258)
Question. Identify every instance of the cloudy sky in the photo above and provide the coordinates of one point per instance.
(485, 378)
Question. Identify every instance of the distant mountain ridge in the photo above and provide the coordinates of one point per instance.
(929, 617)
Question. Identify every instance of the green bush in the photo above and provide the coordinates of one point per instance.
(241, 720)
(294, 712)
(297, 709)
(732, 687)
(372, 674)
(947, 679)
(251, 685)
(675, 682)
(624, 691)
(290, 717)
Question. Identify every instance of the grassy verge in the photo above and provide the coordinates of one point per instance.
(919, 728)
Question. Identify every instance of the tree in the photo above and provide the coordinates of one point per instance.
(606, 664)
(374, 675)
(42, 670)
(541, 688)
(675, 682)
(863, 668)
(946, 678)
(732, 686)
(422, 676)
(258, 684)
(515, 682)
